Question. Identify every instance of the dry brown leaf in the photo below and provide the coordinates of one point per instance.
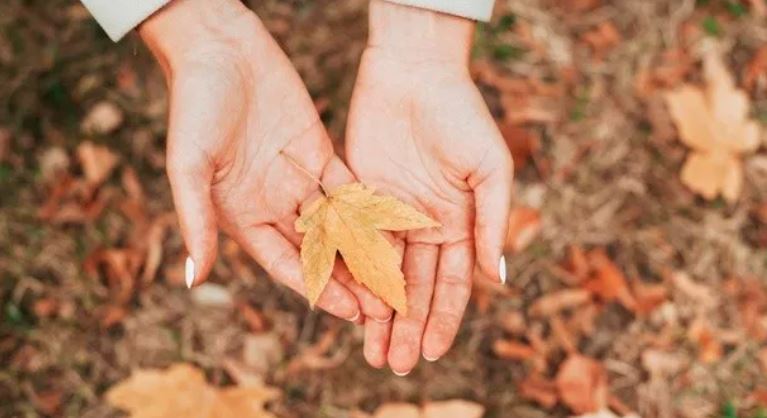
(714, 122)
(602, 39)
(512, 350)
(582, 384)
(455, 408)
(97, 162)
(608, 282)
(103, 118)
(709, 346)
(522, 143)
(397, 410)
(539, 390)
(762, 356)
(348, 221)
(756, 70)
(181, 391)
(560, 300)
(524, 227)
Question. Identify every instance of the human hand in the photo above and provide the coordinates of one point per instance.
(246, 147)
(419, 129)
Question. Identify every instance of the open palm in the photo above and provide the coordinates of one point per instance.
(420, 131)
(245, 150)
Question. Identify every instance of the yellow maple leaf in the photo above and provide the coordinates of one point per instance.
(348, 221)
(181, 391)
(714, 122)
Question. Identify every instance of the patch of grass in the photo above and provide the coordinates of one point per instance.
(578, 112)
(506, 52)
(736, 9)
(711, 26)
(506, 22)
(729, 410)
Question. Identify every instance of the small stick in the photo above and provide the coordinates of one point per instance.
(295, 163)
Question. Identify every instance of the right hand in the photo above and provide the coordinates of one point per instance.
(239, 114)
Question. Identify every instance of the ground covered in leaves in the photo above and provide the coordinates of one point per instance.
(637, 284)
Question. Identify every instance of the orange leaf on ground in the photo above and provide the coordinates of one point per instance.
(709, 347)
(560, 300)
(540, 390)
(608, 281)
(602, 39)
(97, 162)
(756, 70)
(181, 391)
(512, 350)
(522, 143)
(524, 227)
(582, 384)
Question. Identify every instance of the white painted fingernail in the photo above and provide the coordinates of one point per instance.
(502, 269)
(383, 321)
(355, 317)
(189, 272)
(401, 374)
(430, 359)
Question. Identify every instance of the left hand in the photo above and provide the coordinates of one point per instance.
(419, 129)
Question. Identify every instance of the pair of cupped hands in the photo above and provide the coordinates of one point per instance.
(244, 132)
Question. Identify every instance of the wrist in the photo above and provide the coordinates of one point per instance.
(182, 27)
(415, 34)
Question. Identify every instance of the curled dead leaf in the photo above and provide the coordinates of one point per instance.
(524, 227)
(582, 384)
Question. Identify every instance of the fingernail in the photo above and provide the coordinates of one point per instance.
(401, 374)
(355, 317)
(189, 272)
(383, 321)
(502, 269)
(430, 359)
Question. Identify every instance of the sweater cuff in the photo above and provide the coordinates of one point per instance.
(118, 17)
(471, 9)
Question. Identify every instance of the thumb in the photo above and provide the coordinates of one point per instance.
(492, 197)
(191, 196)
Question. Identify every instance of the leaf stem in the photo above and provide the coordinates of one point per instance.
(295, 163)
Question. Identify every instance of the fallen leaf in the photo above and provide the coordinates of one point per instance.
(756, 70)
(560, 300)
(397, 410)
(181, 391)
(253, 317)
(540, 390)
(103, 118)
(97, 162)
(348, 221)
(455, 408)
(714, 122)
(709, 347)
(602, 39)
(524, 227)
(608, 281)
(512, 350)
(581, 5)
(522, 143)
(582, 384)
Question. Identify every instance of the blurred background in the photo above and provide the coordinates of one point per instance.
(629, 292)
